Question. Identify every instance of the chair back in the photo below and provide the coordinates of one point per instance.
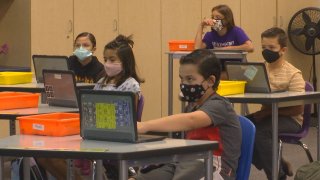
(248, 134)
(292, 137)
(140, 108)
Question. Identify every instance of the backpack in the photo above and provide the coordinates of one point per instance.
(36, 172)
(308, 172)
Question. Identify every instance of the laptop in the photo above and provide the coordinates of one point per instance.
(60, 88)
(110, 116)
(255, 73)
(226, 55)
(41, 62)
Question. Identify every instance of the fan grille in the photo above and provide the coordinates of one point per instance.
(304, 31)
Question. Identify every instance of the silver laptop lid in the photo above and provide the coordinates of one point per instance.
(60, 88)
(254, 73)
(41, 62)
(108, 115)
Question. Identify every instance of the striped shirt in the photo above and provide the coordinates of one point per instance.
(288, 78)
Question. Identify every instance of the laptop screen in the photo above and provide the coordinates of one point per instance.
(254, 73)
(108, 115)
(60, 88)
(41, 62)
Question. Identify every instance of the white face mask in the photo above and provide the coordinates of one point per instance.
(113, 69)
(82, 53)
(218, 25)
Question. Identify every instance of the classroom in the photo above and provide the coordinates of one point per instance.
(52, 28)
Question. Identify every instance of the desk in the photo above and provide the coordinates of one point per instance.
(37, 87)
(12, 114)
(220, 54)
(15, 69)
(73, 147)
(277, 100)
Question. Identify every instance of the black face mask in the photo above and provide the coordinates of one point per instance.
(270, 56)
(192, 93)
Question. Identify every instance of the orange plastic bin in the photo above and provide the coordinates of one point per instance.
(181, 45)
(53, 124)
(16, 100)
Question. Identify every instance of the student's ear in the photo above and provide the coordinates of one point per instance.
(284, 50)
(211, 80)
(94, 49)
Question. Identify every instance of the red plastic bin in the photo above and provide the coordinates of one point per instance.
(17, 100)
(53, 124)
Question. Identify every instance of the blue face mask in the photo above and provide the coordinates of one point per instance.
(82, 53)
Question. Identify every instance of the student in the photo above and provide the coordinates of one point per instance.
(121, 75)
(282, 76)
(120, 66)
(224, 34)
(209, 117)
(86, 67)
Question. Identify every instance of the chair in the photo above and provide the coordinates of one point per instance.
(140, 108)
(294, 138)
(248, 134)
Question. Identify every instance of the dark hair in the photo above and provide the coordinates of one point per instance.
(225, 10)
(89, 35)
(207, 64)
(123, 45)
(276, 32)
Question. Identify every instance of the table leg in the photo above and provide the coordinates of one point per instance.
(318, 138)
(26, 168)
(170, 84)
(12, 125)
(208, 162)
(123, 170)
(275, 141)
(70, 169)
(99, 173)
(1, 168)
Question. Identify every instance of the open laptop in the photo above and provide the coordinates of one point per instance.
(110, 116)
(60, 88)
(255, 73)
(226, 55)
(41, 62)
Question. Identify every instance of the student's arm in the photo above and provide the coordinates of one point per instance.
(178, 122)
(198, 44)
(247, 46)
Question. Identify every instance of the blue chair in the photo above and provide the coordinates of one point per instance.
(294, 138)
(248, 134)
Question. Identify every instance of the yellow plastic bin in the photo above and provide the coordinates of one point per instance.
(231, 87)
(7, 78)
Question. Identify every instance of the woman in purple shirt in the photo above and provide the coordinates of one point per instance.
(224, 34)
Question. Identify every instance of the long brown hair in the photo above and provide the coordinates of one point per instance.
(123, 45)
(225, 10)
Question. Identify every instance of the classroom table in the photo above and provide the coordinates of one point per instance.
(277, 100)
(220, 54)
(14, 69)
(127, 154)
(12, 114)
(37, 87)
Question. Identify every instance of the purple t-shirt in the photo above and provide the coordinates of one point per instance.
(234, 37)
